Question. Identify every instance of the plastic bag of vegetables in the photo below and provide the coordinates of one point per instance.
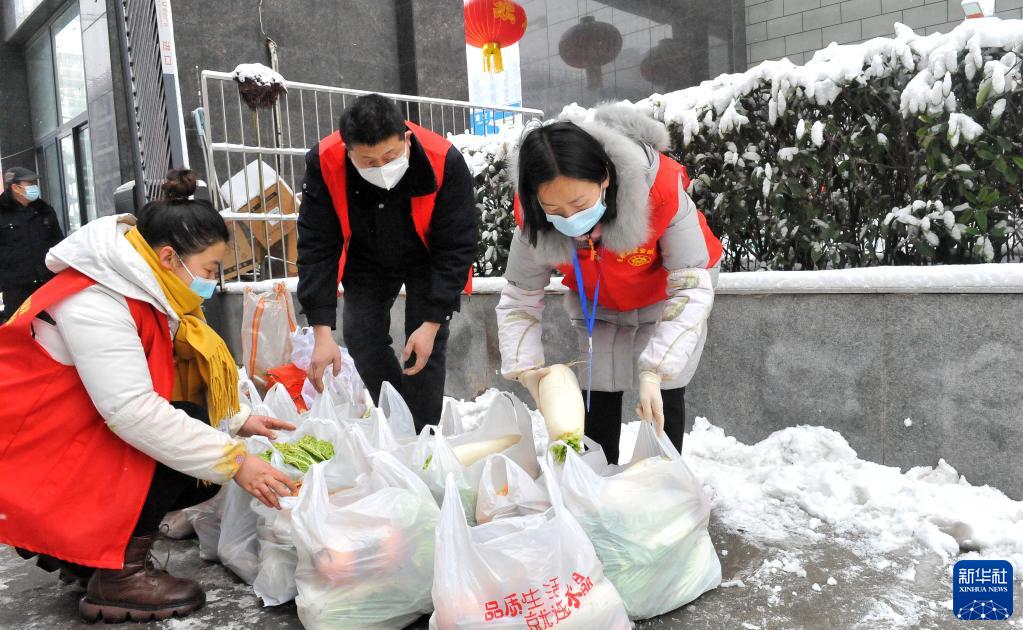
(314, 442)
(648, 524)
(506, 428)
(507, 490)
(365, 545)
(238, 546)
(535, 571)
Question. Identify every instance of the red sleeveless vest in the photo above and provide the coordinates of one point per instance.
(71, 488)
(332, 165)
(637, 279)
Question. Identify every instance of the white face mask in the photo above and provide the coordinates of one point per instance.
(388, 175)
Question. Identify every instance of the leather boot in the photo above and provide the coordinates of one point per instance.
(140, 591)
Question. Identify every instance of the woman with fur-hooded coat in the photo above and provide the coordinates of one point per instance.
(602, 194)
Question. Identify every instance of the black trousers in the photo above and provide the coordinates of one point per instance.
(604, 419)
(171, 490)
(367, 324)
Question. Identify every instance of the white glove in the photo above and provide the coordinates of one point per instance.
(530, 379)
(651, 405)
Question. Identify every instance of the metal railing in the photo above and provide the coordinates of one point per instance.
(149, 64)
(251, 159)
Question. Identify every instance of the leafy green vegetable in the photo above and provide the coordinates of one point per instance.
(265, 455)
(307, 451)
(426, 464)
(322, 450)
(560, 450)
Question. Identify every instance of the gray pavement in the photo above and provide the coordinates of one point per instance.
(765, 588)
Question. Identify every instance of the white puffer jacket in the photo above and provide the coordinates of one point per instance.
(666, 338)
(94, 331)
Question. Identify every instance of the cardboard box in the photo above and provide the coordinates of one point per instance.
(247, 258)
(241, 193)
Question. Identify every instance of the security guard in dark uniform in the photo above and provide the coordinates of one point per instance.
(28, 229)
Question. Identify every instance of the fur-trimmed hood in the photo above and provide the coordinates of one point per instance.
(632, 140)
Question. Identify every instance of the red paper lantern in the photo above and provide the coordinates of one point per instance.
(491, 24)
(589, 45)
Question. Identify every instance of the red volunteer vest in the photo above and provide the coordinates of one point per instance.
(332, 165)
(71, 488)
(637, 279)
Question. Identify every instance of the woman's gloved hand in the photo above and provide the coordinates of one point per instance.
(651, 405)
(530, 379)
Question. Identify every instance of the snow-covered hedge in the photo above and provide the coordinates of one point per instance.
(895, 151)
(898, 151)
(494, 192)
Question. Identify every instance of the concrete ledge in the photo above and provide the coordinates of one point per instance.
(990, 278)
(859, 358)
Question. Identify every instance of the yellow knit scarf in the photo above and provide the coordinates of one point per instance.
(204, 370)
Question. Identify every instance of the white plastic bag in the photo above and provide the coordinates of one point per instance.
(268, 320)
(365, 546)
(205, 518)
(346, 387)
(398, 415)
(450, 420)
(648, 523)
(302, 344)
(278, 404)
(247, 392)
(275, 580)
(523, 572)
(238, 546)
(434, 455)
(507, 490)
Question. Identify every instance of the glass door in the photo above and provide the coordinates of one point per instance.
(60, 119)
(69, 171)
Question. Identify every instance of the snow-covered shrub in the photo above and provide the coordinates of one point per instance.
(486, 157)
(897, 151)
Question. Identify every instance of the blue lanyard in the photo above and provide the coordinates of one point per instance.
(589, 316)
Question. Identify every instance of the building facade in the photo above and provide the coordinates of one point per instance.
(67, 112)
(795, 29)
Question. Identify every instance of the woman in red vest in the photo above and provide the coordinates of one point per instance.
(599, 202)
(93, 453)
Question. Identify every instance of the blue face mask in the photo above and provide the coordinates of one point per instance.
(32, 192)
(203, 287)
(581, 222)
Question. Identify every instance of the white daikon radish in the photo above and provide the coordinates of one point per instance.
(470, 453)
(561, 403)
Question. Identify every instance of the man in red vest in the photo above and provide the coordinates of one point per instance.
(386, 203)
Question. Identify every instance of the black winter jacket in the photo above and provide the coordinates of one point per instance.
(384, 242)
(26, 234)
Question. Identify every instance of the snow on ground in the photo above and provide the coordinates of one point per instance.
(807, 483)
(802, 481)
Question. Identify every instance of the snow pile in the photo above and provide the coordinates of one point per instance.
(807, 483)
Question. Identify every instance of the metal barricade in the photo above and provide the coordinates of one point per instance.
(255, 159)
